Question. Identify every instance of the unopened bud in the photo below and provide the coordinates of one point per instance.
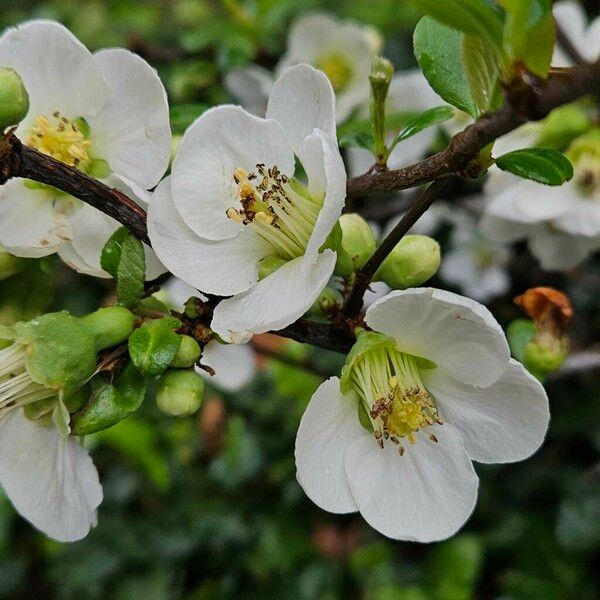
(109, 326)
(268, 265)
(382, 72)
(358, 239)
(179, 393)
(188, 354)
(14, 100)
(414, 260)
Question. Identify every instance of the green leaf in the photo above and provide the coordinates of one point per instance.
(481, 69)
(519, 333)
(426, 119)
(154, 345)
(438, 50)
(529, 33)
(123, 257)
(110, 403)
(474, 17)
(357, 139)
(543, 165)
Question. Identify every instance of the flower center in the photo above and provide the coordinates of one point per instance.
(17, 388)
(587, 175)
(337, 69)
(397, 403)
(277, 208)
(60, 138)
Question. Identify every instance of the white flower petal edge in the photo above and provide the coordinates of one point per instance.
(203, 264)
(234, 365)
(458, 334)
(50, 480)
(424, 496)
(505, 422)
(275, 301)
(132, 128)
(47, 228)
(250, 86)
(59, 72)
(328, 425)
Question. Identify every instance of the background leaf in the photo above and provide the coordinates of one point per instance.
(426, 119)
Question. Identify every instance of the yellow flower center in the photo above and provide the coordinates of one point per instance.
(60, 138)
(388, 382)
(277, 208)
(337, 69)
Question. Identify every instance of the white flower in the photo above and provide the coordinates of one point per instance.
(343, 50)
(233, 200)
(439, 390)
(572, 18)
(234, 364)
(104, 113)
(46, 473)
(474, 264)
(561, 224)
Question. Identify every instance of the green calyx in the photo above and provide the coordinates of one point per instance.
(61, 352)
(268, 265)
(366, 341)
(541, 359)
(189, 353)
(109, 326)
(414, 260)
(14, 100)
(358, 239)
(329, 299)
(179, 392)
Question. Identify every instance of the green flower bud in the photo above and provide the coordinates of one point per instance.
(268, 265)
(14, 100)
(414, 260)
(9, 264)
(188, 354)
(358, 239)
(109, 326)
(541, 359)
(179, 393)
(382, 72)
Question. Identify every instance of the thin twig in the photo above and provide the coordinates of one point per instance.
(411, 216)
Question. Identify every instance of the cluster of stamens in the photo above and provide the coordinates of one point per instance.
(398, 405)
(60, 138)
(276, 207)
(17, 388)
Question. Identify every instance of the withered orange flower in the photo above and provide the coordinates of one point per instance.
(549, 308)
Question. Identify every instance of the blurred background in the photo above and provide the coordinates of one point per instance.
(208, 506)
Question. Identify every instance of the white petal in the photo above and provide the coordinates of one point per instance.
(329, 423)
(275, 301)
(559, 251)
(424, 496)
(302, 100)
(234, 365)
(132, 131)
(457, 333)
(30, 225)
(219, 141)
(375, 291)
(224, 267)
(500, 229)
(57, 70)
(333, 186)
(505, 422)
(50, 480)
(591, 47)
(250, 86)
(583, 216)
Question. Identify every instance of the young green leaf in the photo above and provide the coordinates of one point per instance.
(426, 119)
(438, 50)
(543, 165)
(474, 17)
(357, 139)
(153, 346)
(110, 402)
(481, 69)
(123, 257)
